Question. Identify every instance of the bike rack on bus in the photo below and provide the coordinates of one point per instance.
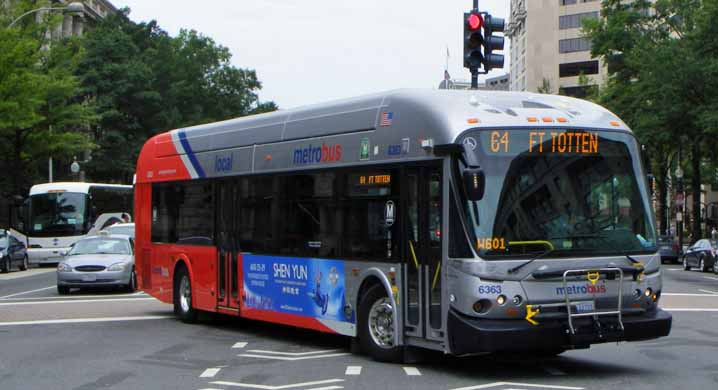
(594, 313)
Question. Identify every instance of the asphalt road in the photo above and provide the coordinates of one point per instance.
(112, 340)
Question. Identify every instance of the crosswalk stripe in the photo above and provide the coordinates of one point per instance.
(353, 370)
(412, 371)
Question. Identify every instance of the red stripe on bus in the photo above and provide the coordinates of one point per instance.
(286, 319)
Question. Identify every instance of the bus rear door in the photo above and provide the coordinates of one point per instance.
(227, 245)
(422, 260)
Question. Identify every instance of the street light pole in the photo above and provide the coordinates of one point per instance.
(680, 200)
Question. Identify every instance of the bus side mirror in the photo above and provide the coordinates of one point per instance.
(474, 183)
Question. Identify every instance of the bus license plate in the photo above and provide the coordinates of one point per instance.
(89, 278)
(585, 307)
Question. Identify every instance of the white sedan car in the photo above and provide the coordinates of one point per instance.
(98, 261)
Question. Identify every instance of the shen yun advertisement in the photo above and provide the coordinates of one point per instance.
(301, 286)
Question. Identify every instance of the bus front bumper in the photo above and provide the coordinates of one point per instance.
(46, 255)
(468, 335)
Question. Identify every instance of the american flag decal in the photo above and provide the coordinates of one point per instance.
(386, 118)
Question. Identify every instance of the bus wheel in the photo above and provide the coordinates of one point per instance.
(376, 326)
(25, 264)
(6, 269)
(183, 297)
(63, 290)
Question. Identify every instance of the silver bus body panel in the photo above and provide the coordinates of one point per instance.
(296, 139)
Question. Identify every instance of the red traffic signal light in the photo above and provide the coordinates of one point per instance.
(475, 21)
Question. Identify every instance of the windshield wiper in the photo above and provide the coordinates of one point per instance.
(540, 255)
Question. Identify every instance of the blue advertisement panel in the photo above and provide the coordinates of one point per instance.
(307, 287)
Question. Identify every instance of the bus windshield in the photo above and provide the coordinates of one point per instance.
(575, 193)
(58, 214)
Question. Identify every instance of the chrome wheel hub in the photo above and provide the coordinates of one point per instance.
(381, 323)
(185, 294)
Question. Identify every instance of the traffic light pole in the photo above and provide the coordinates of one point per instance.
(475, 72)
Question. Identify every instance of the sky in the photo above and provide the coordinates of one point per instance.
(311, 51)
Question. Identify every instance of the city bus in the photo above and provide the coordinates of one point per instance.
(56, 215)
(466, 222)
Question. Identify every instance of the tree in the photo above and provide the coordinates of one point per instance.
(659, 82)
(40, 109)
(545, 87)
(145, 82)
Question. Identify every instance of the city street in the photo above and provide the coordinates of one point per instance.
(106, 339)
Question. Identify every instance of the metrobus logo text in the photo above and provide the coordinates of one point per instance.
(317, 154)
(587, 289)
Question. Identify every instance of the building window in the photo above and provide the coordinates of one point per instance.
(573, 45)
(578, 92)
(574, 21)
(567, 2)
(572, 69)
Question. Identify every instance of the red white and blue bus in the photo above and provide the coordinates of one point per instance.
(460, 221)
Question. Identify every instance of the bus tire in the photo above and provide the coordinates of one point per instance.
(376, 326)
(182, 296)
(63, 290)
(6, 268)
(25, 264)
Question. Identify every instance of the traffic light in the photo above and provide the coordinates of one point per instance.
(473, 22)
(493, 42)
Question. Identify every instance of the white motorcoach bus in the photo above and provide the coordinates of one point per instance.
(56, 215)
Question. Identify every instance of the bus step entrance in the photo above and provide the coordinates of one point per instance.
(606, 328)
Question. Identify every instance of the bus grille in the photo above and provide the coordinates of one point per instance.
(90, 268)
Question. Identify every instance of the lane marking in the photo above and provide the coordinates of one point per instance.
(287, 358)
(50, 299)
(27, 292)
(709, 291)
(686, 295)
(75, 301)
(711, 277)
(85, 320)
(240, 344)
(267, 387)
(691, 309)
(553, 371)
(293, 353)
(326, 388)
(210, 372)
(673, 269)
(498, 384)
(353, 370)
(412, 371)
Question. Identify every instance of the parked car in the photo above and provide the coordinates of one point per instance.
(701, 255)
(127, 229)
(668, 249)
(98, 261)
(12, 252)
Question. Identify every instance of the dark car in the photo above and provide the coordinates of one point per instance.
(701, 255)
(668, 249)
(12, 252)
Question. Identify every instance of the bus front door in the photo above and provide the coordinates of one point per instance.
(227, 246)
(422, 265)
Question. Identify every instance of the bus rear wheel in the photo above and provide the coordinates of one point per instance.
(182, 294)
(376, 326)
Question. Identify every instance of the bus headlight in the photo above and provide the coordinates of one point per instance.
(64, 267)
(636, 293)
(648, 292)
(501, 299)
(517, 300)
(117, 267)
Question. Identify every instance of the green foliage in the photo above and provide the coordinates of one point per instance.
(545, 87)
(144, 81)
(41, 111)
(663, 69)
